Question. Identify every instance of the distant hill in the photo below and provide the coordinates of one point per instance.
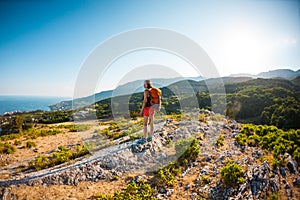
(67, 105)
(296, 81)
(179, 85)
(191, 86)
(278, 73)
(242, 75)
(137, 86)
(125, 89)
(260, 101)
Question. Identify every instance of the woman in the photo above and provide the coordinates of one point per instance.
(148, 109)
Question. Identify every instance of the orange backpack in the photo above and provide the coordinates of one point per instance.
(155, 94)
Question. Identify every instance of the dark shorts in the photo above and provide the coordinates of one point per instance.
(147, 111)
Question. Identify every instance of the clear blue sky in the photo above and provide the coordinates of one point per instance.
(43, 43)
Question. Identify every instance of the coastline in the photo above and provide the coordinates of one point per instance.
(10, 104)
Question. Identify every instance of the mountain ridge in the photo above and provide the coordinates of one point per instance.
(137, 86)
(277, 73)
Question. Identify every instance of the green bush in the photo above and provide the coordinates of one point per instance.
(169, 142)
(11, 136)
(17, 142)
(79, 127)
(274, 196)
(205, 179)
(7, 148)
(241, 139)
(182, 145)
(201, 117)
(114, 126)
(63, 155)
(40, 162)
(30, 144)
(217, 117)
(136, 191)
(104, 197)
(166, 177)
(187, 149)
(220, 141)
(253, 140)
(277, 162)
(106, 132)
(270, 138)
(296, 154)
(232, 173)
(80, 151)
(34, 133)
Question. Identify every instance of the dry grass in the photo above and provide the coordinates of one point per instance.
(84, 190)
(45, 145)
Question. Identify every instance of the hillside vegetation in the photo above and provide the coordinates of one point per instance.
(258, 101)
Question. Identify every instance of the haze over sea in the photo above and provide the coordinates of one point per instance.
(27, 103)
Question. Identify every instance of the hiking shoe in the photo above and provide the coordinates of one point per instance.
(142, 141)
(149, 139)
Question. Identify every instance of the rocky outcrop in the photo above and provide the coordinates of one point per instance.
(260, 179)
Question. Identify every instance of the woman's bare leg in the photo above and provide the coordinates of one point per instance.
(145, 126)
(151, 119)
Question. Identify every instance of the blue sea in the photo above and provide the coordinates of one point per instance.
(27, 103)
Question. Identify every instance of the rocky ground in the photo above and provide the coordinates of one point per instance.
(115, 166)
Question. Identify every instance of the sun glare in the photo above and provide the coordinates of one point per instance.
(244, 49)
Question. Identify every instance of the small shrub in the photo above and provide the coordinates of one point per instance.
(205, 179)
(17, 142)
(80, 151)
(177, 117)
(114, 126)
(166, 176)
(201, 117)
(253, 140)
(187, 149)
(30, 144)
(134, 137)
(262, 158)
(63, 155)
(220, 141)
(241, 139)
(181, 145)
(7, 148)
(277, 162)
(78, 127)
(217, 117)
(83, 127)
(104, 197)
(107, 132)
(296, 154)
(11, 136)
(137, 191)
(274, 196)
(169, 141)
(40, 162)
(232, 173)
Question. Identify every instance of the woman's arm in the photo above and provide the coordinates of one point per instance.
(144, 102)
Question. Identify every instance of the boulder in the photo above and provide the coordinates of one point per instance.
(292, 164)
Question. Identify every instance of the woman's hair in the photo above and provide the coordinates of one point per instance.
(148, 84)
